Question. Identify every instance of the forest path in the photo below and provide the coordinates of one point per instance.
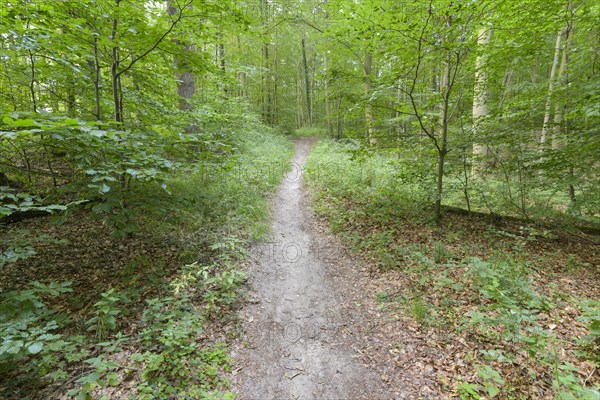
(298, 345)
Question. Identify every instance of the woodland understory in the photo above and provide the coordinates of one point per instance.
(457, 162)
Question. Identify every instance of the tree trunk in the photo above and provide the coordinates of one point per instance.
(186, 81)
(546, 125)
(442, 148)
(274, 83)
(243, 90)
(480, 102)
(306, 84)
(32, 81)
(367, 66)
(114, 70)
(221, 59)
(559, 110)
(97, 76)
(299, 102)
(327, 95)
(267, 85)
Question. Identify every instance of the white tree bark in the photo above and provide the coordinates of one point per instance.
(548, 110)
(480, 100)
(561, 80)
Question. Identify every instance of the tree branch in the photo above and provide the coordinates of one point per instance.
(158, 42)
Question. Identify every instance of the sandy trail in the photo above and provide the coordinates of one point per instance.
(294, 346)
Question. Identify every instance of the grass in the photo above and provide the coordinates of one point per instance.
(310, 131)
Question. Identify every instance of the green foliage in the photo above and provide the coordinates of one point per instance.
(219, 201)
(440, 253)
(104, 163)
(507, 283)
(19, 246)
(172, 357)
(27, 324)
(492, 381)
(176, 363)
(104, 375)
(506, 307)
(30, 330)
(106, 312)
(386, 186)
(419, 310)
(310, 131)
(12, 201)
(590, 344)
(514, 310)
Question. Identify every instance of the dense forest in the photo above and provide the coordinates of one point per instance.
(454, 154)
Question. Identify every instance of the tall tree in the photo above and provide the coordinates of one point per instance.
(186, 82)
(480, 99)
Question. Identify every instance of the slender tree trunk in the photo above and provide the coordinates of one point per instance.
(274, 101)
(32, 81)
(480, 102)
(546, 125)
(97, 76)
(299, 100)
(367, 66)
(559, 109)
(71, 99)
(507, 82)
(327, 95)
(114, 68)
(306, 84)
(267, 85)
(221, 58)
(442, 149)
(243, 90)
(266, 64)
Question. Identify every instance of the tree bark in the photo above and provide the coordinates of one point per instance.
(306, 84)
(367, 66)
(97, 76)
(114, 69)
(327, 95)
(442, 146)
(186, 81)
(548, 108)
(559, 109)
(480, 102)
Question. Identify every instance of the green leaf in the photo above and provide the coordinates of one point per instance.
(23, 122)
(106, 207)
(112, 379)
(35, 348)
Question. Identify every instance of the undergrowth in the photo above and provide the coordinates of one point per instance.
(372, 200)
(150, 338)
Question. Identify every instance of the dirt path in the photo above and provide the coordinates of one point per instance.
(298, 343)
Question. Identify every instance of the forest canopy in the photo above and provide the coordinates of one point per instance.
(501, 99)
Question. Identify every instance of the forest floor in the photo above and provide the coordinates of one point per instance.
(364, 312)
